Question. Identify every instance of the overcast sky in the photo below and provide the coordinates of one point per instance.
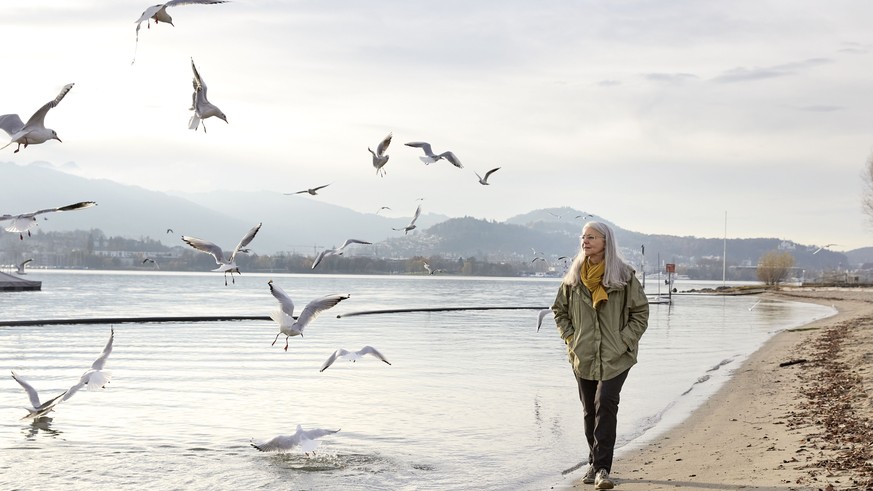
(663, 117)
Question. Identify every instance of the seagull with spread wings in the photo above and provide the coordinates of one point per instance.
(203, 109)
(95, 377)
(225, 264)
(26, 221)
(158, 13)
(337, 251)
(284, 316)
(312, 191)
(306, 439)
(352, 356)
(484, 180)
(411, 225)
(34, 131)
(21, 266)
(430, 157)
(379, 156)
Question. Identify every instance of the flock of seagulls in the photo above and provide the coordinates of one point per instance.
(94, 378)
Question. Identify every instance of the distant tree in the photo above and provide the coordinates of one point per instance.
(774, 267)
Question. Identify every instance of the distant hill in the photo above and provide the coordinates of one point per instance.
(300, 224)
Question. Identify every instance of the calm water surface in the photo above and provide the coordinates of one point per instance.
(472, 400)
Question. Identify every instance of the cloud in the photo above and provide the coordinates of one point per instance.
(670, 78)
(742, 74)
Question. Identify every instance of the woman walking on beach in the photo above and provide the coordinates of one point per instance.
(601, 312)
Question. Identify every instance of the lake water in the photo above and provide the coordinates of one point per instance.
(472, 399)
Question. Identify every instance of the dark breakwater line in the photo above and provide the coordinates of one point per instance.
(122, 320)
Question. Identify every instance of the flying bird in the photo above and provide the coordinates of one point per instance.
(158, 13)
(352, 356)
(21, 266)
(169, 231)
(37, 409)
(150, 260)
(816, 251)
(540, 315)
(411, 225)
(430, 157)
(203, 109)
(484, 180)
(26, 221)
(382, 208)
(379, 157)
(312, 191)
(95, 377)
(34, 131)
(429, 270)
(225, 264)
(306, 439)
(338, 251)
(284, 316)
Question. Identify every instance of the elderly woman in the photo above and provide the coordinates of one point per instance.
(601, 312)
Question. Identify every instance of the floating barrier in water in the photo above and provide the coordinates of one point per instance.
(433, 309)
(141, 320)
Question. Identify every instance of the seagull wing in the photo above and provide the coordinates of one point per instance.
(317, 306)
(321, 256)
(542, 313)
(101, 360)
(205, 246)
(74, 206)
(173, 3)
(383, 145)
(316, 433)
(333, 357)
(422, 145)
(285, 302)
(353, 241)
(38, 118)
(369, 350)
(452, 158)
(11, 123)
(278, 443)
(245, 240)
(415, 216)
(31, 392)
(319, 187)
(492, 171)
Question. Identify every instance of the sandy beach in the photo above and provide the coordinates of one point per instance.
(805, 425)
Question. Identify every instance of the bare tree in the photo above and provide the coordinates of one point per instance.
(774, 266)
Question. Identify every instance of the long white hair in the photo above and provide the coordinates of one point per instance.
(616, 271)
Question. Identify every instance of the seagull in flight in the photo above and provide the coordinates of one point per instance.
(158, 13)
(95, 377)
(484, 180)
(352, 356)
(430, 157)
(20, 269)
(306, 439)
(26, 221)
(336, 251)
(34, 131)
(312, 191)
(411, 225)
(201, 106)
(816, 251)
(150, 260)
(379, 157)
(37, 409)
(284, 316)
(225, 264)
(429, 270)
(382, 208)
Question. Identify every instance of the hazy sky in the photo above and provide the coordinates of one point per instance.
(659, 116)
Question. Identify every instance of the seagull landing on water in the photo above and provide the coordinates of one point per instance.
(352, 356)
(484, 180)
(284, 316)
(312, 191)
(37, 409)
(158, 13)
(203, 109)
(95, 377)
(306, 439)
(21, 266)
(430, 157)
(26, 221)
(379, 157)
(411, 225)
(34, 131)
(336, 251)
(225, 264)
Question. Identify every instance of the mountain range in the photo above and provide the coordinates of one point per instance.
(303, 224)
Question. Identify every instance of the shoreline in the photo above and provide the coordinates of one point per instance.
(766, 427)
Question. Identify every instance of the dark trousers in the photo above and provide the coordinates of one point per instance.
(600, 406)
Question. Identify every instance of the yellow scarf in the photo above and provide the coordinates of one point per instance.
(592, 277)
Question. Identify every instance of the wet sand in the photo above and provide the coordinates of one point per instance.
(807, 425)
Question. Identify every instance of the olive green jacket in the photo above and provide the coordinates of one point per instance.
(601, 343)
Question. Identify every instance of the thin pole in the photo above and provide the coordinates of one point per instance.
(724, 253)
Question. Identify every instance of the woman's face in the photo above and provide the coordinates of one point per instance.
(593, 243)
